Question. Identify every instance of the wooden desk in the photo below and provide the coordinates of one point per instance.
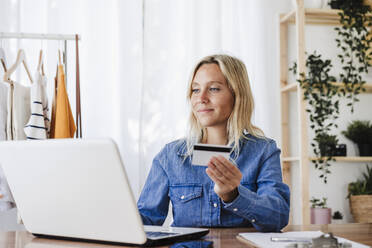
(221, 237)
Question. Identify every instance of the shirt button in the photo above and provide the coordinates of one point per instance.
(235, 209)
(182, 197)
(253, 220)
(215, 205)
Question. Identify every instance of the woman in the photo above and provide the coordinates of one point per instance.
(243, 191)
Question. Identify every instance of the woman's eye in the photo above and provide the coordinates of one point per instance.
(195, 90)
(214, 89)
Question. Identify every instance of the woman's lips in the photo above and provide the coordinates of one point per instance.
(205, 110)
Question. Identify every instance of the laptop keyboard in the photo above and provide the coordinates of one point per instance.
(159, 234)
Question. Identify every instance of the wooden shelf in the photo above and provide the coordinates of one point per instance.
(289, 87)
(301, 17)
(293, 87)
(290, 159)
(354, 159)
(314, 16)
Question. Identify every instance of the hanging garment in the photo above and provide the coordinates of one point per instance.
(38, 125)
(54, 108)
(64, 121)
(19, 111)
(6, 199)
(4, 88)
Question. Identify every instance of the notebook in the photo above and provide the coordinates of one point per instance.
(264, 240)
(78, 190)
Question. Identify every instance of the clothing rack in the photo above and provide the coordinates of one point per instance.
(65, 37)
(58, 37)
(40, 36)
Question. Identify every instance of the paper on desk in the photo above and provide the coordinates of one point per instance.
(264, 239)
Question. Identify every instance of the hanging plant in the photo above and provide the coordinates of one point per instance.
(354, 41)
(323, 106)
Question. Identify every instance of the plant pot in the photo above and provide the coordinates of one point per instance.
(365, 149)
(365, 2)
(320, 216)
(361, 208)
(340, 150)
(327, 150)
(337, 221)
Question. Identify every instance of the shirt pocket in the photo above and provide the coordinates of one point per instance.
(187, 204)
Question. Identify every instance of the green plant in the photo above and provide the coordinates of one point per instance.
(360, 132)
(362, 186)
(354, 41)
(323, 104)
(337, 215)
(326, 143)
(317, 203)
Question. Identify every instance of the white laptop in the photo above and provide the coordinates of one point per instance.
(78, 190)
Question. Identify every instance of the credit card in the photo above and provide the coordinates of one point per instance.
(203, 153)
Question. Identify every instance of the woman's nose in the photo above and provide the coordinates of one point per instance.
(203, 97)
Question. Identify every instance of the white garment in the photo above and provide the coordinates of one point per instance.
(6, 201)
(3, 109)
(38, 125)
(19, 111)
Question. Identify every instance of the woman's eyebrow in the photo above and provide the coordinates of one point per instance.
(210, 82)
(218, 82)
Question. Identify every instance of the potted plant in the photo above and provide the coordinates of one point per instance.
(323, 98)
(360, 132)
(339, 4)
(327, 144)
(354, 42)
(320, 213)
(337, 217)
(360, 197)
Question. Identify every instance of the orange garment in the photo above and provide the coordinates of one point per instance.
(64, 121)
(54, 105)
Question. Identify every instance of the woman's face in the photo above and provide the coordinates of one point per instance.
(211, 98)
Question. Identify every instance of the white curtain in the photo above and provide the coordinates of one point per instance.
(177, 34)
(136, 57)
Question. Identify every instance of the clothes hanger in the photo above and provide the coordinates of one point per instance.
(2, 57)
(21, 58)
(59, 57)
(40, 65)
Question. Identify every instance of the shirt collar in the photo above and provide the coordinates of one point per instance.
(182, 149)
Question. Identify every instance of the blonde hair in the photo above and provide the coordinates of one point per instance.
(239, 121)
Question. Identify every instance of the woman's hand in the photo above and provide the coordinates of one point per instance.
(226, 177)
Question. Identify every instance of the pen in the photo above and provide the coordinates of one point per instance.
(289, 239)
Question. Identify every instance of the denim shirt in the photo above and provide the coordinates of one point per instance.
(263, 200)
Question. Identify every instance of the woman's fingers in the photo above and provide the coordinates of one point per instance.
(228, 175)
(222, 169)
(225, 168)
(216, 179)
(220, 174)
(226, 164)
